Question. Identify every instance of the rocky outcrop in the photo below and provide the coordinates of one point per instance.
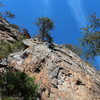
(60, 74)
(7, 33)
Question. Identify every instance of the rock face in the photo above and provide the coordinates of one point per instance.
(60, 73)
(7, 33)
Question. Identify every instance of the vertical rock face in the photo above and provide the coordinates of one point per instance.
(61, 74)
(7, 33)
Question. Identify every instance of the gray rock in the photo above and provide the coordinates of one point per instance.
(62, 74)
(4, 62)
(7, 33)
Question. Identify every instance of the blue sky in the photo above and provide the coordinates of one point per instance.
(68, 16)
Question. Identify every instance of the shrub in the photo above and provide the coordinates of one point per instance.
(7, 98)
(74, 49)
(15, 26)
(25, 34)
(7, 48)
(17, 84)
(17, 46)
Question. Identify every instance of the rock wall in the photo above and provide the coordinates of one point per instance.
(7, 33)
(60, 74)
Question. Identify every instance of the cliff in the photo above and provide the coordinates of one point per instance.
(60, 73)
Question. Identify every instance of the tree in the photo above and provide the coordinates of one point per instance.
(14, 83)
(45, 25)
(91, 36)
(26, 33)
(7, 14)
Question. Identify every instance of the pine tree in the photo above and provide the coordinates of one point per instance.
(91, 36)
(45, 25)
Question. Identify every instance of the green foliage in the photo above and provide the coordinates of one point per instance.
(7, 48)
(91, 37)
(17, 46)
(15, 26)
(7, 98)
(74, 49)
(25, 33)
(7, 14)
(17, 84)
(45, 25)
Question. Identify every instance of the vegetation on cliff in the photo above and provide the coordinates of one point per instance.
(91, 37)
(16, 84)
(7, 48)
(45, 25)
